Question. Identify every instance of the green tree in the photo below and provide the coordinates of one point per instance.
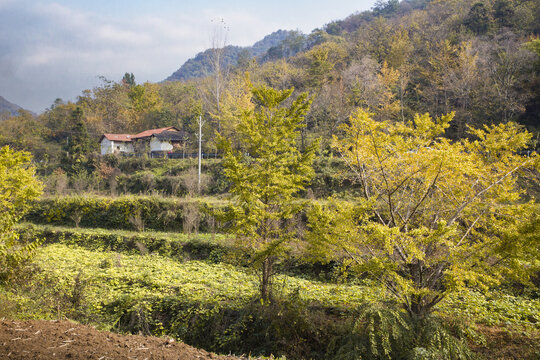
(323, 60)
(385, 7)
(145, 103)
(503, 13)
(478, 19)
(266, 175)
(106, 107)
(129, 80)
(27, 132)
(18, 187)
(435, 214)
(78, 145)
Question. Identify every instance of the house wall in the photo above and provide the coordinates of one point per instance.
(106, 146)
(157, 145)
(126, 147)
(110, 147)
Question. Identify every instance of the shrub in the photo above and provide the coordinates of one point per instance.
(156, 213)
(383, 331)
(176, 246)
(18, 187)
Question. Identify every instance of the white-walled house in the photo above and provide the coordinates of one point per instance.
(165, 141)
(154, 142)
(116, 143)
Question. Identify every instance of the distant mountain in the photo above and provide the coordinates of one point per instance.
(199, 66)
(11, 108)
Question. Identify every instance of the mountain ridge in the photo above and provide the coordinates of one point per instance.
(7, 106)
(199, 65)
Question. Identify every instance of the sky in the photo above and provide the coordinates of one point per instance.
(56, 49)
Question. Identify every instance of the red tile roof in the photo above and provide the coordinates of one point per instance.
(153, 131)
(117, 137)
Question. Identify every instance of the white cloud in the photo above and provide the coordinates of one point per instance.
(61, 15)
(50, 50)
(110, 35)
(61, 51)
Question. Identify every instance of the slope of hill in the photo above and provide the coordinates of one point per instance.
(199, 66)
(8, 106)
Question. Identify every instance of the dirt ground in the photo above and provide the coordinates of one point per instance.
(39, 339)
(504, 345)
(66, 340)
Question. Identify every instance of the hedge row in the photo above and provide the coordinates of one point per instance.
(171, 177)
(167, 176)
(145, 182)
(130, 165)
(128, 212)
(140, 176)
(172, 245)
(210, 247)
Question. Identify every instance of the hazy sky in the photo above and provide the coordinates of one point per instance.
(55, 49)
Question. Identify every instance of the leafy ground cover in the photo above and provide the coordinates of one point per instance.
(110, 276)
(494, 308)
(179, 246)
(204, 304)
(212, 304)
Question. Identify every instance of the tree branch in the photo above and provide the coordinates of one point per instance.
(424, 196)
(478, 194)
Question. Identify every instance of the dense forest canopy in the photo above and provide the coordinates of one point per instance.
(477, 58)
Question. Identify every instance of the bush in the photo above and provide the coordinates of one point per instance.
(176, 246)
(156, 213)
(384, 331)
(18, 188)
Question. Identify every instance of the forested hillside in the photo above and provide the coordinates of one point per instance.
(478, 59)
(367, 191)
(202, 64)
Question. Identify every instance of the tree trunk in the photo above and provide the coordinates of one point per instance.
(421, 306)
(266, 281)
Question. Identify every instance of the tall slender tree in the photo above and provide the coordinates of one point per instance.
(267, 175)
(78, 143)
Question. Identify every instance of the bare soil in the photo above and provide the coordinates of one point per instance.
(40, 339)
(67, 340)
(502, 344)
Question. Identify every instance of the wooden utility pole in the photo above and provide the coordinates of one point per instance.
(200, 152)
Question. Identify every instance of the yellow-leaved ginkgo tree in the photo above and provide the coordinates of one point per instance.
(18, 187)
(435, 215)
(267, 174)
